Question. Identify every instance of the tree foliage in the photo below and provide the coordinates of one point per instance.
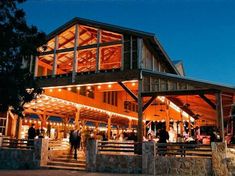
(18, 42)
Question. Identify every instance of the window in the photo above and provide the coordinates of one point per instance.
(3, 121)
(130, 106)
(87, 91)
(110, 98)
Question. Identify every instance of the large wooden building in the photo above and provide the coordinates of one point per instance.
(106, 74)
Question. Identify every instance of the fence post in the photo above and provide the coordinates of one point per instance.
(148, 157)
(41, 151)
(1, 140)
(219, 166)
(91, 152)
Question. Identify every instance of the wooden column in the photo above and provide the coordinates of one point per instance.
(181, 124)
(77, 117)
(145, 130)
(36, 67)
(96, 129)
(139, 48)
(75, 61)
(43, 121)
(109, 127)
(66, 122)
(130, 124)
(167, 115)
(189, 127)
(54, 69)
(219, 111)
(140, 112)
(98, 52)
(122, 57)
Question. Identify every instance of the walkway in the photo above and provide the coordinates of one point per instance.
(55, 173)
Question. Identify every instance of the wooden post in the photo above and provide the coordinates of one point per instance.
(77, 117)
(109, 127)
(145, 130)
(189, 127)
(54, 69)
(167, 115)
(36, 67)
(181, 124)
(98, 52)
(75, 61)
(220, 118)
(139, 51)
(130, 124)
(140, 112)
(66, 122)
(122, 57)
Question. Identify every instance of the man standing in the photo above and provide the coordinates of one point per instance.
(75, 139)
(31, 135)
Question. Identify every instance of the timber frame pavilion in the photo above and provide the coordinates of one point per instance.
(102, 73)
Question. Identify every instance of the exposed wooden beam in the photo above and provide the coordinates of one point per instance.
(128, 91)
(146, 105)
(180, 92)
(81, 47)
(208, 101)
(180, 104)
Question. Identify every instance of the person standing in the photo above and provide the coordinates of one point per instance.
(31, 135)
(163, 137)
(75, 139)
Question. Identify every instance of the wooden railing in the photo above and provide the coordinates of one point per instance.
(58, 145)
(231, 146)
(18, 143)
(183, 150)
(115, 147)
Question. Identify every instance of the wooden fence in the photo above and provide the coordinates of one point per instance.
(18, 143)
(115, 147)
(58, 145)
(183, 150)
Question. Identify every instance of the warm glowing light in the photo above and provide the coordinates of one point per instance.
(25, 121)
(59, 90)
(109, 86)
(30, 121)
(88, 87)
(78, 88)
(133, 84)
(69, 88)
(99, 87)
(51, 90)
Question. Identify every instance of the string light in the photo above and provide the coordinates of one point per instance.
(51, 90)
(109, 86)
(69, 88)
(59, 90)
(99, 87)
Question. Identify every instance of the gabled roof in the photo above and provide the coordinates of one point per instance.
(114, 28)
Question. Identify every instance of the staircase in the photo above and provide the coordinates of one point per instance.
(59, 157)
(231, 160)
(65, 161)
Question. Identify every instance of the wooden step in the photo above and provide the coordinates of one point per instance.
(67, 164)
(72, 160)
(63, 167)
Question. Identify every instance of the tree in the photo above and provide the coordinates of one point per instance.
(18, 43)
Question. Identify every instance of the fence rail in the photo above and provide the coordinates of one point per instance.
(18, 143)
(58, 145)
(115, 147)
(183, 150)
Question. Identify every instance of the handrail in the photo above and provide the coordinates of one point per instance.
(18, 143)
(183, 150)
(115, 147)
(58, 145)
